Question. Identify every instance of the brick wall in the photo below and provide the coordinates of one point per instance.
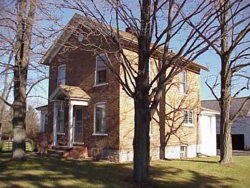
(80, 71)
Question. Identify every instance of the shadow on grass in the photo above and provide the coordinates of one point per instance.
(199, 161)
(40, 171)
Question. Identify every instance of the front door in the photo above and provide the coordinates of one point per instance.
(78, 125)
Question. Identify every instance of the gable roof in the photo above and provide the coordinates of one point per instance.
(74, 23)
(236, 104)
(70, 92)
(42, 108)
(203, 109)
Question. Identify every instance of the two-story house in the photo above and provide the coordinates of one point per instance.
(89, 109)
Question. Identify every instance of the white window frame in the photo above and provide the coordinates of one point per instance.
(183, 83)
(188, 123)
(61, 79)
(99, 133)
(96, 71)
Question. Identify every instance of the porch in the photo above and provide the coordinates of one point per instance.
(68, 104)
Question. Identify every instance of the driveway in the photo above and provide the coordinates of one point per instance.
(238, 153)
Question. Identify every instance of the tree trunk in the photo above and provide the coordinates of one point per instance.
(225, 142)
(162, 124)
(225, 105)
(19, 115)
(225, 100)
(141, 141)
(22, 55)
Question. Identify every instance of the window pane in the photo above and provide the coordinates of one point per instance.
(100, 124)
(101, 69)
(78, 114)
(61, 75)
(101, 76)
(101, 62)
(185, 116)
(182, 88)
(182, 76)
(190, 116)
(182, 82)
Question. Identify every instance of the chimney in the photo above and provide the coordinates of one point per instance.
(131, 30)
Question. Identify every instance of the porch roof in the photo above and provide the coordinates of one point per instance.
(69, 92)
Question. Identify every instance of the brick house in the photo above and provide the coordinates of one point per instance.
(88, 108)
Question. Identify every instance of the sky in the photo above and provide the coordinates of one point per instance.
(208, 59)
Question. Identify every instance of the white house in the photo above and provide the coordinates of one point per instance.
(240, 127)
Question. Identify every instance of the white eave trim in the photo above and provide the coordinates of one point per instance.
(209, 113)
(58, 89)
(59, 41)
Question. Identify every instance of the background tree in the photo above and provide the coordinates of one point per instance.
(23, 37)
(155, 25)
(233, 49)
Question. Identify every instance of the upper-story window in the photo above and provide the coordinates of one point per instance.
(61, 75)
(188, 117)
(101, 70)
(100, 118)
(183, 81)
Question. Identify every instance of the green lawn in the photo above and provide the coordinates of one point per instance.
(53, 172)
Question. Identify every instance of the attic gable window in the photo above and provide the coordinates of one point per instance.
(61, 72)
(101, 70)
(183, 82)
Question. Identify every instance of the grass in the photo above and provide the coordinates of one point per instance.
(40, 171)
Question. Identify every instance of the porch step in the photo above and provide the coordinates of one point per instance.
(55, 152)
(61, 148)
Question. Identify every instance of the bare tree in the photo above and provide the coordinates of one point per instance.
(233, 49)
(155, 25)
(23, 37)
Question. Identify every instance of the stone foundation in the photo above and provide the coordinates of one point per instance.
(174, 152)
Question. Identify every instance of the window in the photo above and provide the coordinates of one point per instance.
(100, 118)
(183, 82)
(60, 121)
(183, 152)
(188, 117)
(101, 70)
(61, 75)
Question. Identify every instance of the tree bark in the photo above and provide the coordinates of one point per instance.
(162, 124)
(22, 55)
(225, 100)
(141, 140)
(225, 122)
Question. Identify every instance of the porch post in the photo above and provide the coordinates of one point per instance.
(55, 116)
(70, 125)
